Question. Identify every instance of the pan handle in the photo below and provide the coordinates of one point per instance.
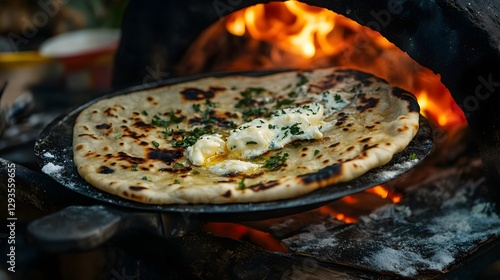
(81, 228)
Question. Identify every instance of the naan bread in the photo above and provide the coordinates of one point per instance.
(135, 145)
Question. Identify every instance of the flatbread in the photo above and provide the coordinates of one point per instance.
(139, 146)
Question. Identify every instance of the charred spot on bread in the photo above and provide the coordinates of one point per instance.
(324, 174)
(366, 102)
(167, 156)
(137, 188)
(103, 126)
(105, 170)
(264, 185)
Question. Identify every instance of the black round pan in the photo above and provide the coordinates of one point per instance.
(53, 150)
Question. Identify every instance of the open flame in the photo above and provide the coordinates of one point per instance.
(347, 209)
(291, 25)
(305, 36)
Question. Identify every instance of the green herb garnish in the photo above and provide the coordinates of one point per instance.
(338, 98)
(293, 94)
(276, 162)
(156, 144)
(210, 103)
(158, 121)
(302, 80)
(247, 95)
(241, 184)
(172, 118)
(283, 102)
(178, 165)
(295, 129)
(296, 144)
(356, 88)
(134, 167)
(250, 113)
(413, 156)
(190, 137)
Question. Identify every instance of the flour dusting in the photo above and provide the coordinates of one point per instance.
(51, 168)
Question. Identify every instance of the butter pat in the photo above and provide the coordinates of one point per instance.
(233, 166)
(254, 138)
(250, 139)
(206, 147)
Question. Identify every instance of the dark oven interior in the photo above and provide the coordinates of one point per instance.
(437, 221)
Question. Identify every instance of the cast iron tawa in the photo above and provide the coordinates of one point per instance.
(54, 153)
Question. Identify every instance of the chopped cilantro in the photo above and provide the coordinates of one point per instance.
(338, 98)
(207, 115)
(167, 133)
(178, 165)
(144, 113)
(296, 144)
(134, 167)
(188, 138)
(156, 144)
(316, 152)
(195, 172)
(158, 121)
(295, 129)
(177, 181)
(276, 162)
(241, 184)
(251, 112)
(356, 88)
(302, 80)
(293, 94)
(145, 178)
(196, 107)
(173, 118)
(247, 95)
(210, 103)
(413, 156)
(283, 102)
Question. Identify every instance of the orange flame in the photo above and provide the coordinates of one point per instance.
(312, 33)
(292, 25)
(384, 193)
(309, 34)
(241, 232)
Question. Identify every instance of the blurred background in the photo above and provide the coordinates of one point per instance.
(53, 54)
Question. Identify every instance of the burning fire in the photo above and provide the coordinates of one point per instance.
(241, 232)
(303, 36)
(347, 209)
(315, 36)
